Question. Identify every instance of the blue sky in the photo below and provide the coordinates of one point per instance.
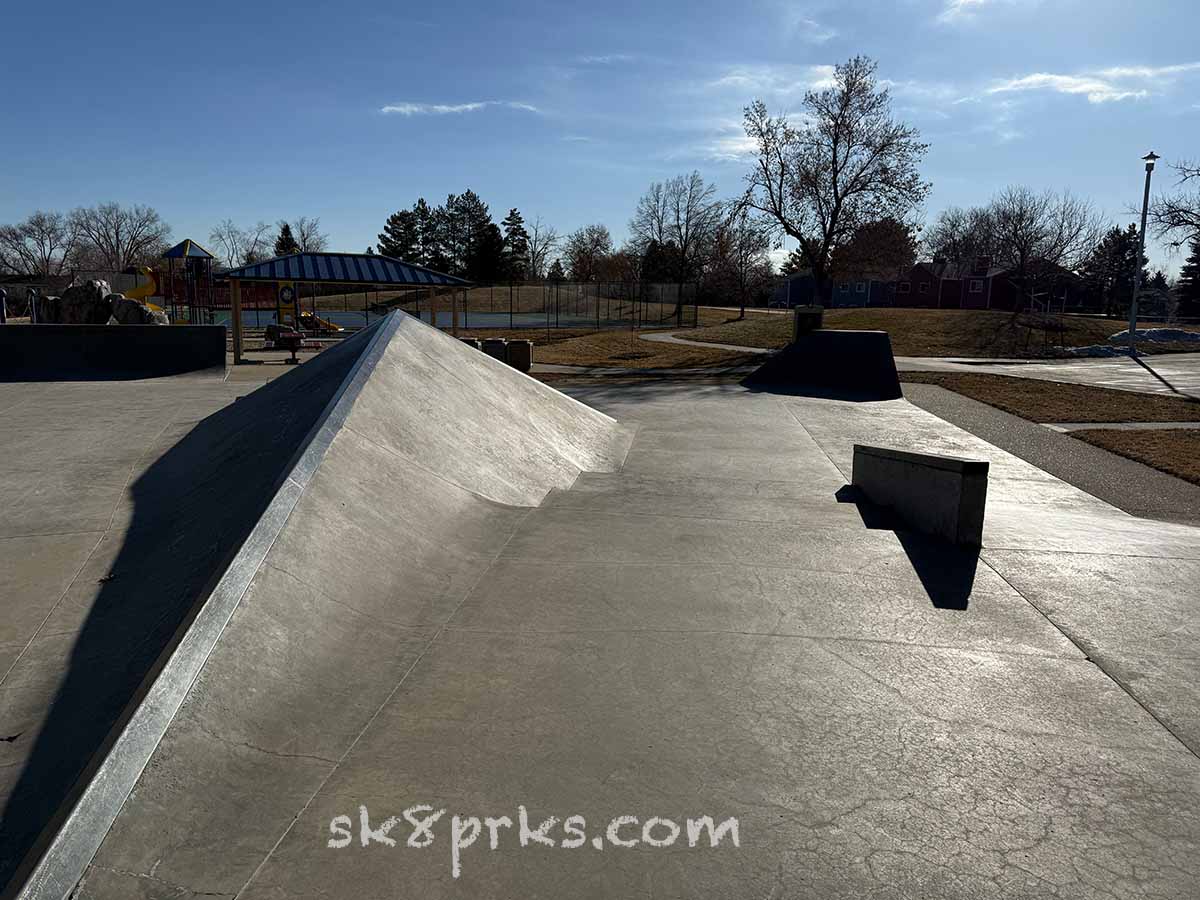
(267, 110)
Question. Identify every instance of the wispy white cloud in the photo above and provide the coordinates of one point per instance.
(1101, 85)
(577, 138)
(1149, 72)
(1097, 90)
(445, 109)
(780, 81)
(605, 59)
(801, 23)
(715, 140)
(960, 10)
(813, 31)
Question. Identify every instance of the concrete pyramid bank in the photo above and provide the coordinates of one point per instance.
(408, 484)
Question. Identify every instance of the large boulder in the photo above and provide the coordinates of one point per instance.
(49, 310)
(133, 312)
(85, 304)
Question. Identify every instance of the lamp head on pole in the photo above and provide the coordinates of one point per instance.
(1150, 158)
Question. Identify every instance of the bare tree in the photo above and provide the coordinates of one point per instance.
(239, 246)
(848, 162)
(584, 248)
(1040, 236)
(741, 252)
(309, 236)
(112, 237)
(1037, 237)
(682, 211)
(43, 244)
(961, 235)
(228, 238)
(1176, 218)
(543, 241)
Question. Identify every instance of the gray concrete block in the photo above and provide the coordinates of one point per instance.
(939, 495)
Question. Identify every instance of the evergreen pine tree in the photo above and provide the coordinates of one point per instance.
(1188, 286)
(423, 222)
(516, 246)
(399, 237)
(1108, 272)
(485, 257)
(556, 272)
(286, 242)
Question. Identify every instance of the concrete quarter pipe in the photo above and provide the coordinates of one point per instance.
(406, 487)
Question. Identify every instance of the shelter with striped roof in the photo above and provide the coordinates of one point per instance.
(330, 268)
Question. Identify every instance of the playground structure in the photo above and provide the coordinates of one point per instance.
(196, 303)
(362, 271)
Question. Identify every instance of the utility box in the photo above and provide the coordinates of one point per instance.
(806, 319)
(520, 355)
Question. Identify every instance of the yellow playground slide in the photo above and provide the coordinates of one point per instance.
(309, 322)
(147, 290)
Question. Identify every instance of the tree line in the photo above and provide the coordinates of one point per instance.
(110, 237)
(841, 178)
(679, 233)
(106, 237)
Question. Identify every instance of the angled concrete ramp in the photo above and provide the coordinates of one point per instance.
(406, 488)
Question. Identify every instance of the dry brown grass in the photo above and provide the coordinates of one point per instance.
(941, 332)
(624, 348)
(1175, 451)
(1049, 401)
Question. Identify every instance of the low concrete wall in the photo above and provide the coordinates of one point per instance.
(832, 360)
(101, 352)
(939, 495)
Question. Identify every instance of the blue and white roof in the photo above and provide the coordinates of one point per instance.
(342, 268)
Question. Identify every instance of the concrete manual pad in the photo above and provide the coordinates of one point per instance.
(575, 625)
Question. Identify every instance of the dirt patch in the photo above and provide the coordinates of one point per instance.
(624, 348)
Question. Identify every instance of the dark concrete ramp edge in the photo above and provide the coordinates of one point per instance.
(80, 833)
(834, 364)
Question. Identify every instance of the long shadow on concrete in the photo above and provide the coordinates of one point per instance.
(947, 572)
(1141, 362)
(191, 511)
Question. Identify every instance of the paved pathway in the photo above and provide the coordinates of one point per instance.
(666, 337)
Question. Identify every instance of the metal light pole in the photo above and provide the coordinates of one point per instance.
(1137, 269)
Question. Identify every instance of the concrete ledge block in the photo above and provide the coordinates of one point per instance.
(100, 352)
(939, 495)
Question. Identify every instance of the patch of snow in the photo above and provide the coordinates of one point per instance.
(1098, 350)
(1157, 334)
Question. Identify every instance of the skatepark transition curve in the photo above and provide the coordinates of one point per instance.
(408, 484)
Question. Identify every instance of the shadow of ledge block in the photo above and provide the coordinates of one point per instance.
(832, 363)
(942, 496)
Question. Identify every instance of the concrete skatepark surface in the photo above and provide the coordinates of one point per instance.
(706, 624)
